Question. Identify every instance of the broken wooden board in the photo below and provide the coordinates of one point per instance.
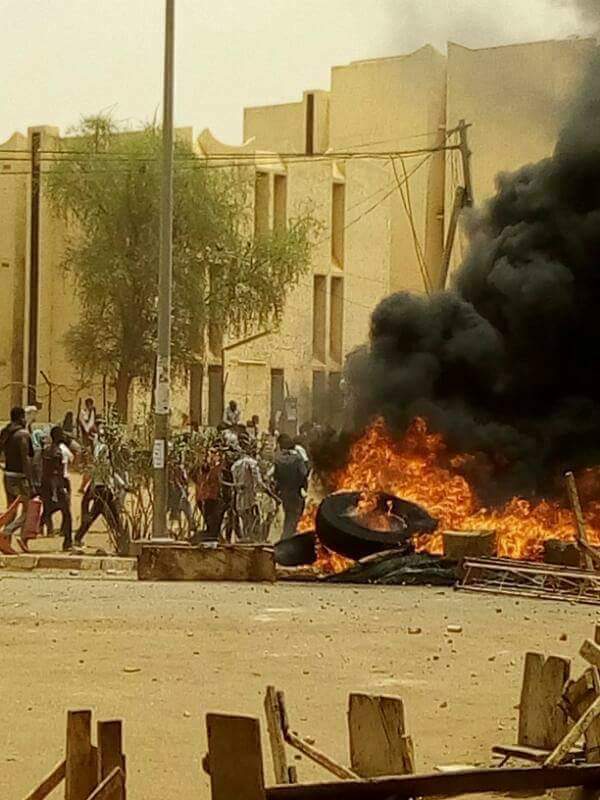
(542, 719)
(469, 544)
(536, 755)
(578, 696)
(235, 758)
(378, 742)
(236, 562)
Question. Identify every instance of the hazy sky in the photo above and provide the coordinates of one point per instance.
(64, 58)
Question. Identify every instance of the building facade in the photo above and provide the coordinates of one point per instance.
(365, 157)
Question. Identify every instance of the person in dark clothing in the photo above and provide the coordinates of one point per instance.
(291, 480)
(55, 492)
(101, 497)
(17, 447)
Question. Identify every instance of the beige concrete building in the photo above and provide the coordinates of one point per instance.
(360, 156)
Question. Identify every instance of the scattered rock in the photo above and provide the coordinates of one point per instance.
(454, 628)
(186, 714)
(309, 740)
(415, 631)
(563, 637)
(131, 670)
(74, 572)
(444, 704)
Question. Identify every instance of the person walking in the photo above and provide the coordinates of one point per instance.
(87, 423)
(101, 497)
(291, 480)
(247, 483)
(209, 491)
(55, 491)
(17, 447)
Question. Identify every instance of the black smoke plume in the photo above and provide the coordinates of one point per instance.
(507, 364)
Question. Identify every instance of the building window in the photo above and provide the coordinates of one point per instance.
(262, 203)
(338, 223)
(279, 202)
(319, 317)
(336, 320)
(320, 412)
(215, 395)
(310, 125)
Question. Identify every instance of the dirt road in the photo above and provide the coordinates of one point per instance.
(66, 642)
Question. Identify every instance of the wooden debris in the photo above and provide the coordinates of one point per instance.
(578, 697)
(580, 727)
(110, 754)
(308, 750)
(590, 652)
(223, 563)
(378, 741)
(533, 780)
(49, 784)
(111, 788)
(542, 720)
(235, 758)
(579, 521)
(276, 737)
(469, 544)
(535, 754)
(80, 766)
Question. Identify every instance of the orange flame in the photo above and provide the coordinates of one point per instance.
(420, 468)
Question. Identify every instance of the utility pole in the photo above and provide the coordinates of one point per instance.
(162, 399)
(463, 198)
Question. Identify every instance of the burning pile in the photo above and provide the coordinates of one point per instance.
(419, 467)
(474, 402)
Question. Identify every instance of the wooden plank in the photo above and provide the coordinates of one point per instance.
(579, 691)
(597, 634)
(590, 652)
(378, 744)
(570, 740)
(579, 696)
(49, 783)
(80, 773)
(224, 563)
(111, 788)
(535, 754)
(523, 779)
(579, 520)
(235, 758)
(110, 753)
(320, 758)
(542, 720)
(274, 727)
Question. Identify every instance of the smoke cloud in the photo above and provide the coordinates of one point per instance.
(507, 364)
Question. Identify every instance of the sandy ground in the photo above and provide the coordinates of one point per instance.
(65, 642)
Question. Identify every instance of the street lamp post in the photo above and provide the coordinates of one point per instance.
(163, 365)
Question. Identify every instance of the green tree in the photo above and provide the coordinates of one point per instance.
(105, 182)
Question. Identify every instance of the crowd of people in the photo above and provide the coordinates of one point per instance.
(240, 479)
(37, 483)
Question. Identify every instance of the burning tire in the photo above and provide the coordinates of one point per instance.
(388, 523)
(298, 550)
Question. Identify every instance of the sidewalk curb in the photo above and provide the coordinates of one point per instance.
(34, 561)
